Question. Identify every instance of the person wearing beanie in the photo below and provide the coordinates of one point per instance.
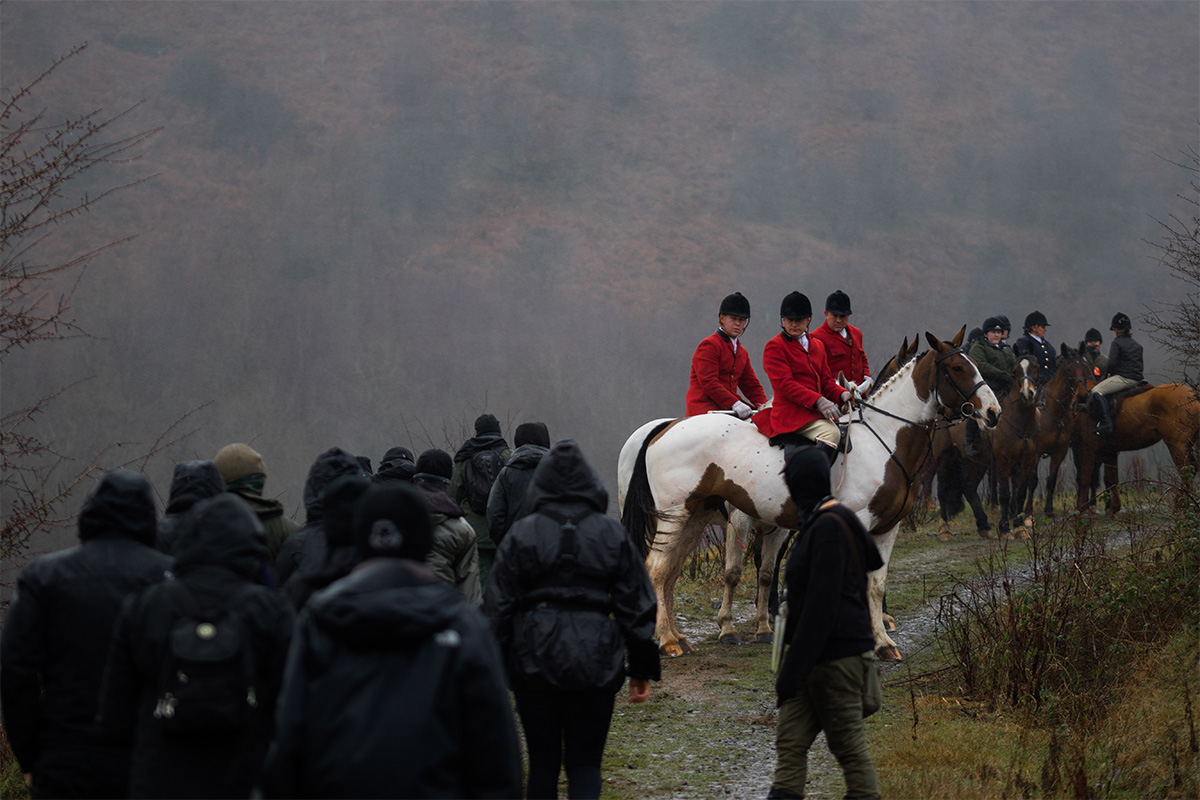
(805, 408)
(219, 559)
(392, 645)
(1125, 371)
(477, 463)
(827, 633)
(307, 545)
(454, 556)
(191, 482)
(844, 343)
(1033, 343)
(245, 475)
(504, 503)
(56, 636)
(1089, 348)
(721, 366)
(569, 602)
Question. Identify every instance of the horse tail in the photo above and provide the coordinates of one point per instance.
(639, 502)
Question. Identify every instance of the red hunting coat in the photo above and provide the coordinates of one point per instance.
(844, 355)
(798, 378)
(718, 373)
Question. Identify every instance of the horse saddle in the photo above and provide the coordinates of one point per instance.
(1116, 399)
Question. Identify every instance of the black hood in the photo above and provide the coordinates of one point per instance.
(527, 456)
(385, 603)
(337, 509)
(333, 463)
(121, 504)
(192, 482)
(484, 441)
(565, 476)
(222, 531)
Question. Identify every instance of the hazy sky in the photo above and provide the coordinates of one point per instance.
(373, 221)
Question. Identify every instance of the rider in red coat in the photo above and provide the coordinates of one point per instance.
(806, 395)
(843, 342)
(721, 366)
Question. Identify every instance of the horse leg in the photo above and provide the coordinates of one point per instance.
(672, 545)
(772, 541)
(735, 558)
(1004, 493)
(1052, 484)
(885, 648)
(982, 525)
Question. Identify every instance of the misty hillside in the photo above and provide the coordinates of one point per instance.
(373, 221)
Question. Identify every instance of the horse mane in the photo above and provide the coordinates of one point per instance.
(908, 366)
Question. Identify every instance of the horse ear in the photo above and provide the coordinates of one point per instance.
(903, 350)
(933, 340)
(957, 340)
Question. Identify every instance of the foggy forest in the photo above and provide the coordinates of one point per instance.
(366, 223)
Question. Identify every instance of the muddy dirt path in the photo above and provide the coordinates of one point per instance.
(710, 729)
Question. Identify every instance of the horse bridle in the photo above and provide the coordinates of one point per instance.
(966, 409)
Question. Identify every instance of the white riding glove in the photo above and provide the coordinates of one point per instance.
(742, 410)
(827, 409)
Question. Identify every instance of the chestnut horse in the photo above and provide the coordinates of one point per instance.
(676, 477)
(1169, 413)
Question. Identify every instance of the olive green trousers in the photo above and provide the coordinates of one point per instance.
(831, 701)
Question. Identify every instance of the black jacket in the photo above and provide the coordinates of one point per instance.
(828, 615)
(566, 606)
(56, 633)
(393, 689)
(1125, 357)
(220, 555)
(504, 503)
(1044, 353)
(341, 553)
(307, 545)
(191, 482)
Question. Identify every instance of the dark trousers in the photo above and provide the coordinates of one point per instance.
(564, 728)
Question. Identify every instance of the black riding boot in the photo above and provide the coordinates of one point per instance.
(1103, 414)
(971, 439)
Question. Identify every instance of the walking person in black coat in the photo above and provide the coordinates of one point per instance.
(568, 599)
(56, 639)
(505, 503)
(393, 685)
(828, 635)
(191, 482)
(218, 564)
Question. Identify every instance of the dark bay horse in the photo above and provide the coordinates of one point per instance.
(1168, 413)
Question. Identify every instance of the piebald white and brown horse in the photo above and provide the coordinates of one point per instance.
(675, 477)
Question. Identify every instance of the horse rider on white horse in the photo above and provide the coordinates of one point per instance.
(805, 407)
(721, 366)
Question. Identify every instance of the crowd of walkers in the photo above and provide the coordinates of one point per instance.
(376, 650)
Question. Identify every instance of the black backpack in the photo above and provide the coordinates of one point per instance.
(207, 681)
(482, 469)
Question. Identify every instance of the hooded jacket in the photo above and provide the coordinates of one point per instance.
(191, 482)
(454, 556)
(393, 689)
(508, 492)
(308, 543)
(277, 526)
(827, 594)
(341, 554)
(220, 555)
(568, 601)
(56, 634)
(458, 482)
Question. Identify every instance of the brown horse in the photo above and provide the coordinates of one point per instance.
(1014, 447)
(1059, 417)
(1169, 413)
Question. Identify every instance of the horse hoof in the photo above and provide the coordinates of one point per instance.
(730, 638)
(945, 536)
(670, 650)
(888, 652)
(889, 623)
(765, 638)
(985, 533)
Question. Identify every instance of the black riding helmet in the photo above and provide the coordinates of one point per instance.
(735, 305)
(992, 324)
(1121, 322)
(1036, 318)
(795, 306)
(838, 303)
